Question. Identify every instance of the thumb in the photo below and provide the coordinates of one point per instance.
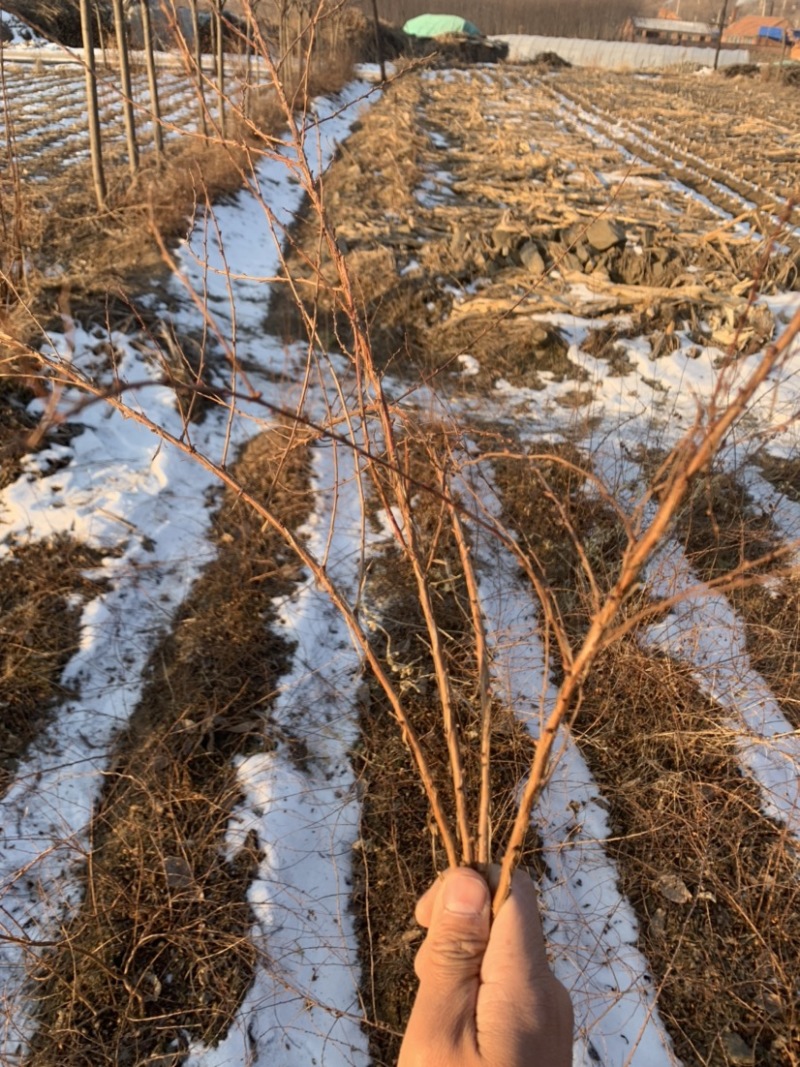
(449, 965)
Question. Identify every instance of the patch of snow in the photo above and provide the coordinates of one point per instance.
(469, 365)
(303, 1006)
(702, 630)
(13, 31)
(590, 928)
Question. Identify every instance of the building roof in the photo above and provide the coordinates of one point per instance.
(674, 26)
(749, 25)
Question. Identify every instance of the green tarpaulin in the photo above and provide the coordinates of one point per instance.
(439, 26)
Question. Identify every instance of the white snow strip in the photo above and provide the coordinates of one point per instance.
(590, 928)
(303, 1007)
(703, 630)
(120, 490)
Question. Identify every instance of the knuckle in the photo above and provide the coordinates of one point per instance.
(445, 954)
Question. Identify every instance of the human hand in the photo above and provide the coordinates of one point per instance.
(487, 996)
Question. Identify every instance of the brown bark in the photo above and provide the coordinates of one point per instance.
(152, 81)
(125, 83)
(92, 107)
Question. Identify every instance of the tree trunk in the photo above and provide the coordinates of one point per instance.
(152, 81)
(198, 62)
(220, 65)
(92, 106)
(101, 37)
(248, 72)
(379, 40)
(125, 82)
(720, 28)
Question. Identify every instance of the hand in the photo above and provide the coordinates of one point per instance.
(487, 996)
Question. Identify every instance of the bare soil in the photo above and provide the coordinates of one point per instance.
(43, 588)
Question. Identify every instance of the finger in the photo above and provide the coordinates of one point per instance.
(424, 908)
(519, 995)
(517, 944)
(449, 963)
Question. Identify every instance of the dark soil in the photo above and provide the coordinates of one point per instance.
(43, 588)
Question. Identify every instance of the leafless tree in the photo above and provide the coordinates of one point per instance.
(198, 62)
(219, 48)
(155, 108)
(121, 28)
(93, 110)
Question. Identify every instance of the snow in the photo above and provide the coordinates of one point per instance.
(589, 926)
(702, 629)
(13, 31)
(303, 1007)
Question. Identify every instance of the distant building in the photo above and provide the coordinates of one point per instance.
(669, 31)
(760, 31)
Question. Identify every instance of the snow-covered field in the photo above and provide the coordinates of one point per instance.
(117, 487)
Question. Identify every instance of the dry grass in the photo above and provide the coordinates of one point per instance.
(725, 960)
(159, 950)
(722, 530)
(42, 589)
(783, 473)
(388, 145)
(120, 252)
